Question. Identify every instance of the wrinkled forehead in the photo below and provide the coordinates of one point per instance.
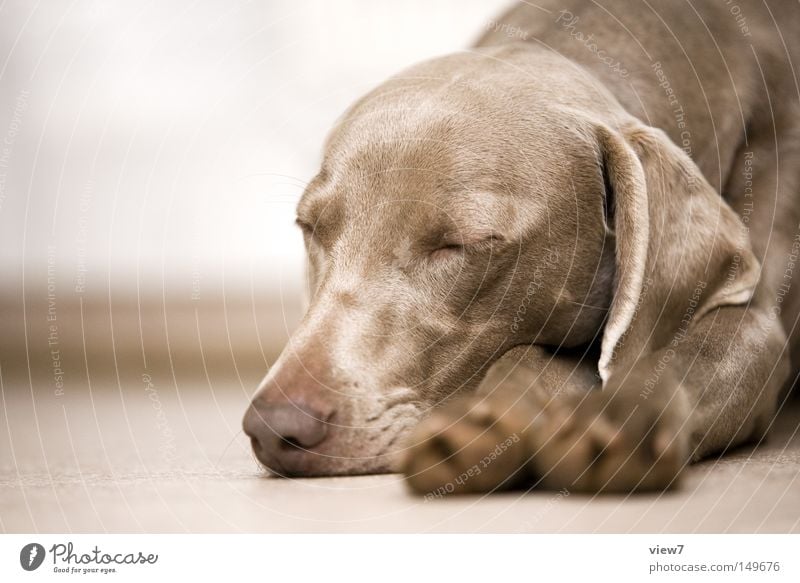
(402, 201)
(394, 158)
(448, 151)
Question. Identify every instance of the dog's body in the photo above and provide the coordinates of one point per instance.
(523, 209)
(720, 82)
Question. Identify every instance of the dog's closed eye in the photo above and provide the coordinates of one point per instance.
(307, 228)
(450, 248)
(449, 251)
(314, 231)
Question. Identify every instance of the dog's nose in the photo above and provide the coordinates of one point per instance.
(283, 433)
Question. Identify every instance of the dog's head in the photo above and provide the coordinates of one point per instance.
(473, 203)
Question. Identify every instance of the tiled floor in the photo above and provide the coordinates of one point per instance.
(131, 457)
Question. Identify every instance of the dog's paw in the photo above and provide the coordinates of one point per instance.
(610, 441)
(474, 444)
(614, 440)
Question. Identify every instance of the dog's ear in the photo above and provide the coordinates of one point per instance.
(681, 251)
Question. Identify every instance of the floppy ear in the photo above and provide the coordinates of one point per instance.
(681, 251)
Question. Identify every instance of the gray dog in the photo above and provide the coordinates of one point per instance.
(563, 259)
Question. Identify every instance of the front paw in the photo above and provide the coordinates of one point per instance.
(613, 440)
(474, 444)
(619, 439)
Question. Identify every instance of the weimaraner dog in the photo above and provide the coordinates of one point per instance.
(563, 259)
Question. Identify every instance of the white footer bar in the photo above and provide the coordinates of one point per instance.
(400, 558)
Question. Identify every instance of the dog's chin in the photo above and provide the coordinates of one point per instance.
(299, 463)
(333, 468)
(330, 472)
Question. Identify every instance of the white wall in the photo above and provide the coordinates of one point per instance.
(150, 140)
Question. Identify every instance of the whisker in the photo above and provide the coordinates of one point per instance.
(227, 447)
(588, 306)
(397, 395)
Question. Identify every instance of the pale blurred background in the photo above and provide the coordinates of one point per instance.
(151, 155)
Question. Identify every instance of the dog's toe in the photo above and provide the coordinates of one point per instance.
(609, 444)
(473, 445)
(593, 443)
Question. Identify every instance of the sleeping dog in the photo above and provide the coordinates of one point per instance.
(563, 259)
